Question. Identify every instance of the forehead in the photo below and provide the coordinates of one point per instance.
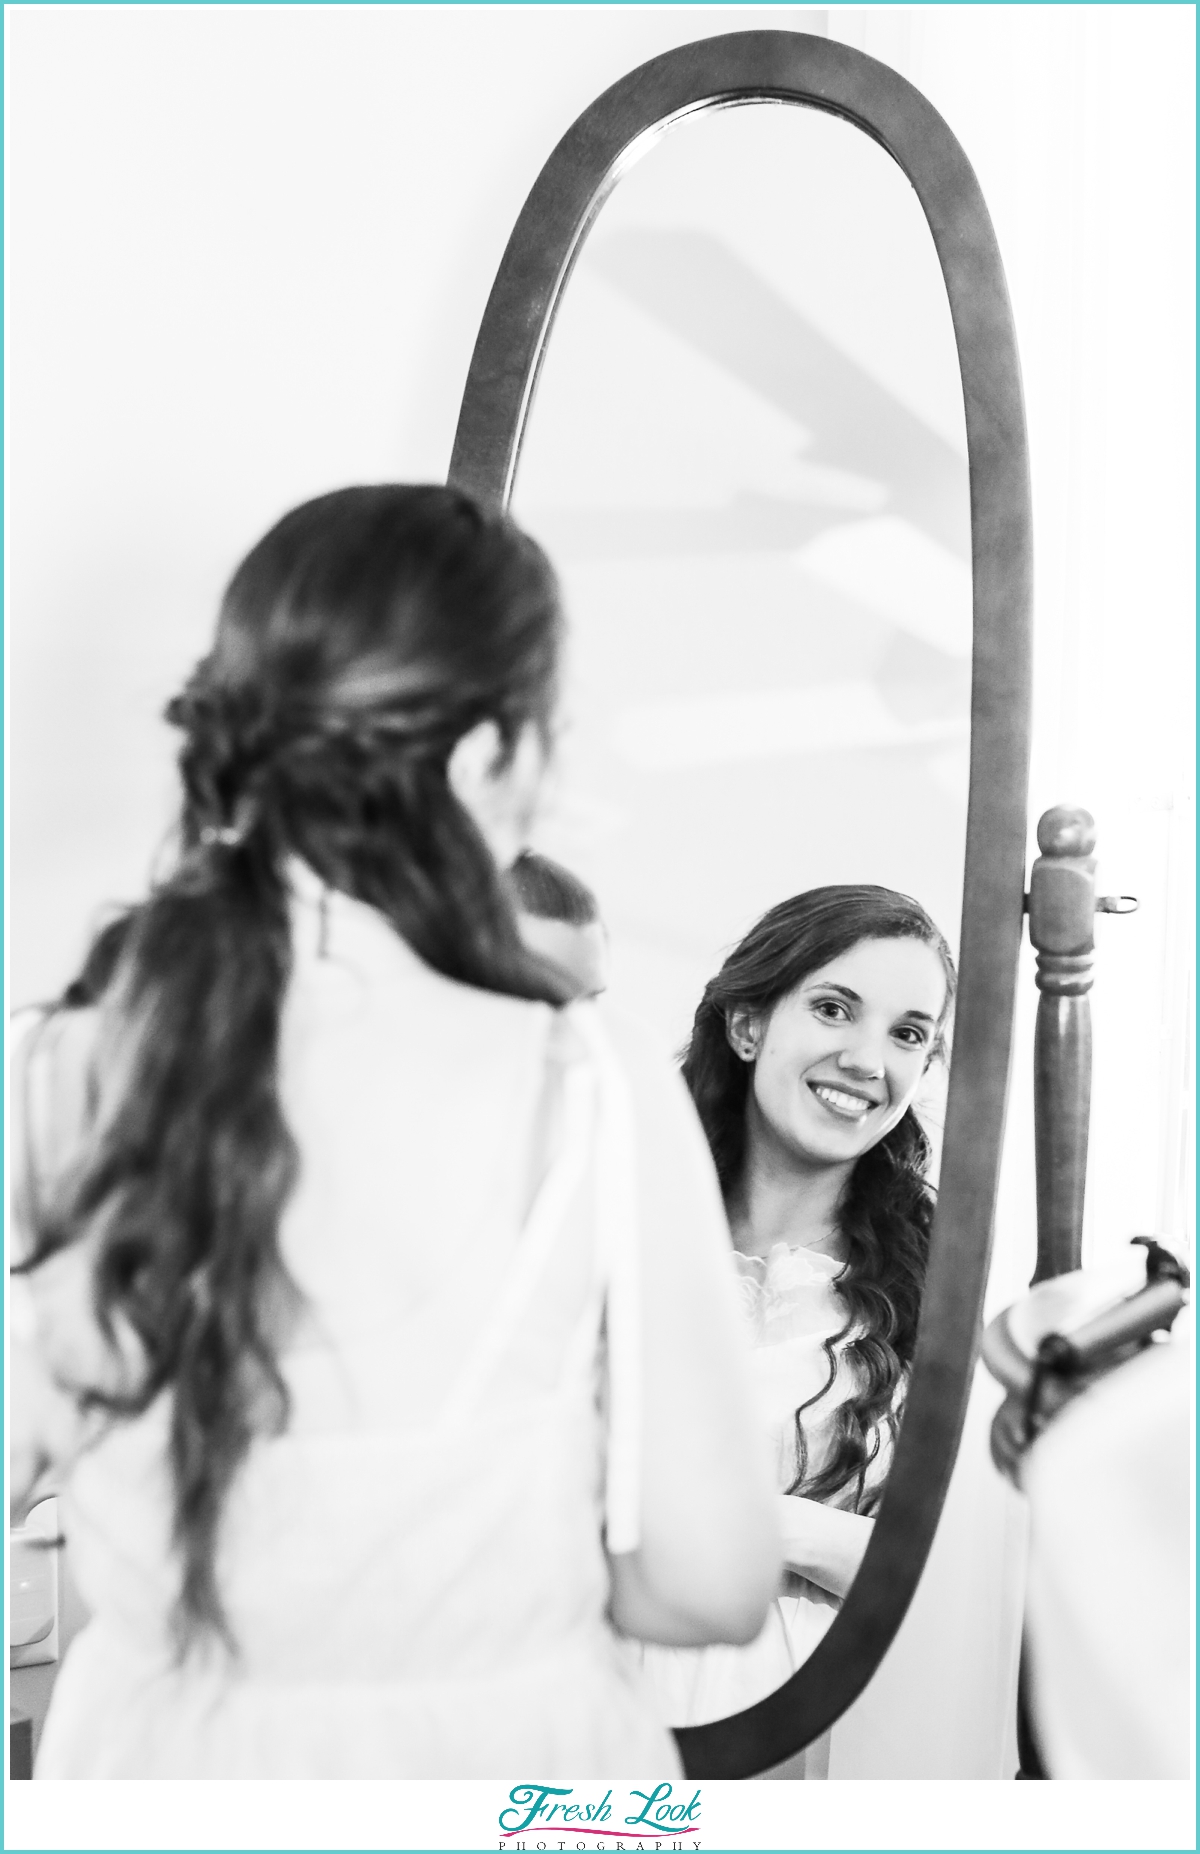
(891, 975)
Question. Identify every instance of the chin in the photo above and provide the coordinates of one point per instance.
(824, 1150)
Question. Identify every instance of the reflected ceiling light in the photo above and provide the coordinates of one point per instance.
(900, 574)
(707, 730)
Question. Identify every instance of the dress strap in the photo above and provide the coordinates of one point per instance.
(618, 1244)
(535, 1246)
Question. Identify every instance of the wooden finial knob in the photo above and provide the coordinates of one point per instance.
(1062, 899)
(1066, 830)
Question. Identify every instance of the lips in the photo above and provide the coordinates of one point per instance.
(844, 1103)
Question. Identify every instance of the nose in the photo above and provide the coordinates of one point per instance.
(862, 1058)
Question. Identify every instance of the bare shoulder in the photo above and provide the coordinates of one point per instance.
(674, 1160)
(646, 1063)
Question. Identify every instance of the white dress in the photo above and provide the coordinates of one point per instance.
(415, 1570)
(793, 1310)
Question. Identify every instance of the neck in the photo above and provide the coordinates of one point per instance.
(782, 1198)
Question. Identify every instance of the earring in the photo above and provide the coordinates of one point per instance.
(747, 1051)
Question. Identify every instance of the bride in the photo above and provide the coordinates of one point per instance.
(806, 1055)
(375, 1330)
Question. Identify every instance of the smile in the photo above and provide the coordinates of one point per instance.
(845, 1106)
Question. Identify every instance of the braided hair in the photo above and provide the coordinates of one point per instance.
(356, 644)
(886, 1212)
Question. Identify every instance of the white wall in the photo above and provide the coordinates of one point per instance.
(248, 250)
(1094, 206)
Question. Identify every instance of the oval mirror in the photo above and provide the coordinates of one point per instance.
(747, 459)
(778, 457)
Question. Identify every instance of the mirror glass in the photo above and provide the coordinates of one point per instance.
(747, 458)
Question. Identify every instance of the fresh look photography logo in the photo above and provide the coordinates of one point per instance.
(543, 1815)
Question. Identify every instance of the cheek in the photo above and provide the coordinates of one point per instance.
(906, 1077)
(791, 1044)
(774, 1084)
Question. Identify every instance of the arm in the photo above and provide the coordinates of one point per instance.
(823, 1543)
(708, 1562)
(48, 1308)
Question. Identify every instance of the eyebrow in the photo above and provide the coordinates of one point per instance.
(844, 991)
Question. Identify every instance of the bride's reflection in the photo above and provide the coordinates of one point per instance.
(805, 1059)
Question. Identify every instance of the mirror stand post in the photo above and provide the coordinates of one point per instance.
(1062, 912)
(1062, 909)
(1062, 905)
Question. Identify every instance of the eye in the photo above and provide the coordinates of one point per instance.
(910, 1036)
(831, 1010)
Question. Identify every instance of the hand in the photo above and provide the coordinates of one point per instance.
(42, 1421)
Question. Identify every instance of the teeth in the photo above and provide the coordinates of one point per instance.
(843, 1103)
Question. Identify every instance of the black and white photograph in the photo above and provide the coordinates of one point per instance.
(600, 925)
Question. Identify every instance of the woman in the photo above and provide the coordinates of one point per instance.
(805, 1058)
(327, 1201)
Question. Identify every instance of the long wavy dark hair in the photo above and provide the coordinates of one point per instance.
(356, 644)
(886, 1211)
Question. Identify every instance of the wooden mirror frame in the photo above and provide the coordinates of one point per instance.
(791, 67)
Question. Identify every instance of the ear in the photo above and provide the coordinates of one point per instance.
(498, 792)
(471, 770)
(743, 1032)
(473, 761)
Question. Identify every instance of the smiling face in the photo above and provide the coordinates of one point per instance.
(838, 1061)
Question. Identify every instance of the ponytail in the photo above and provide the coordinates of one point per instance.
(188, 1168)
